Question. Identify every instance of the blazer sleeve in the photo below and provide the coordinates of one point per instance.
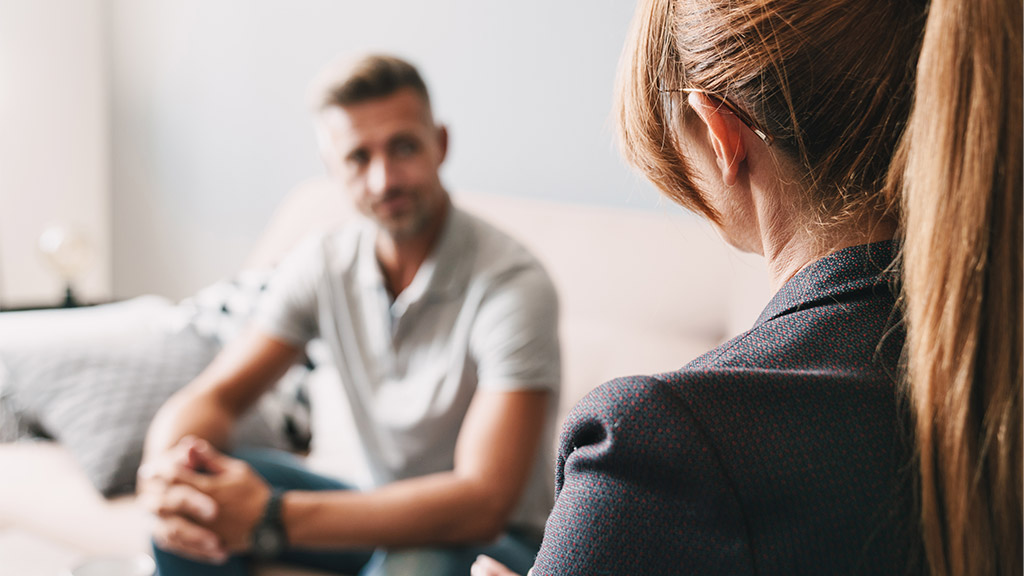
(640, 490)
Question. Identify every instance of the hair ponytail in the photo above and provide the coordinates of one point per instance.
(962, 189)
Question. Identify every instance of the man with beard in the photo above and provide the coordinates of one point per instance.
(444, 333)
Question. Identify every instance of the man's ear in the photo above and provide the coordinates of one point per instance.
(725, 131)
(442, 141)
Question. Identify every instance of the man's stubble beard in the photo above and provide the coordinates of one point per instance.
(408, 225)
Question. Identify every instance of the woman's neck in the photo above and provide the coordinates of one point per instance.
(790, 247)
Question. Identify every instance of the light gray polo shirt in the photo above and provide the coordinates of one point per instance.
(481, 312)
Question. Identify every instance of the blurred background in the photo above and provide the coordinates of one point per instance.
(152, 139)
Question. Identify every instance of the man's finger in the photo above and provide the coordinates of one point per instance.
(184, 500)
(150, 494)
(174, 457)
(166, 465)
(178, 535)
(203, 456)
(188, 476)
(487, 566)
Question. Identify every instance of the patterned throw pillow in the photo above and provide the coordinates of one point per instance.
(98, 398)
(92, 379)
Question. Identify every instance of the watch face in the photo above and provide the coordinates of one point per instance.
(268, 542)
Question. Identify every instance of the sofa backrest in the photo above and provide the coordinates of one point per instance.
(640, 291)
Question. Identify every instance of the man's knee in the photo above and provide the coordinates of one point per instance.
(286, 470)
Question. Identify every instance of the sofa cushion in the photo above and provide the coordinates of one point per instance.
(92, 379)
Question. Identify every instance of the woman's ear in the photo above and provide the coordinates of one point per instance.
(725, 131)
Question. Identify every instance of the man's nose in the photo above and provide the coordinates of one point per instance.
(381, 176)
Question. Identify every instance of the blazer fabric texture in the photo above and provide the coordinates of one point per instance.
(784, 451)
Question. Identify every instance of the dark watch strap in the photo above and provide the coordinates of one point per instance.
(268, 538)
(272, 513)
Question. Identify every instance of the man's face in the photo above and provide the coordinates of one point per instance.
(386, 153)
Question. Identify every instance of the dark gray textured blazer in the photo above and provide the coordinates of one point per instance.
(783, 451)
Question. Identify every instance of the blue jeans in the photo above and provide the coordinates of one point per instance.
(284, 470)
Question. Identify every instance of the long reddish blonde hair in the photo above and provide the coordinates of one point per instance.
(899, 108)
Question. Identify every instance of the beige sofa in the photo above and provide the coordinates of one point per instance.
(640, 292)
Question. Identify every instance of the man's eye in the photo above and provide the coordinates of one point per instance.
(405, 148)
(358, 158)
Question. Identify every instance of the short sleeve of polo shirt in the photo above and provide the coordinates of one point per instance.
(514, 340)
(288, 308)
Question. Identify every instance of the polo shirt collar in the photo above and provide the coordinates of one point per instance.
(443, 273)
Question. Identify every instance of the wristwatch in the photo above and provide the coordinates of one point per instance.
(268, 537)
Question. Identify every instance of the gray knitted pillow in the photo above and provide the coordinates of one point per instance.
(97, 398)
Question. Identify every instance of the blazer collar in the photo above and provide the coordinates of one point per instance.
(855, 268)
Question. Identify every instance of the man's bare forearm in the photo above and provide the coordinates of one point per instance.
(188, 413)
(494, 456)
(437, 509)
(211, 404)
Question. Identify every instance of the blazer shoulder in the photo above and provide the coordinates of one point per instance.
(640, 490)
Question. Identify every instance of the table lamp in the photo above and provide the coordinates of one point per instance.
(68, 250)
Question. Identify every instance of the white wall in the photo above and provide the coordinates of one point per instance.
(54, 148)
(167, 130)
(209, 125)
